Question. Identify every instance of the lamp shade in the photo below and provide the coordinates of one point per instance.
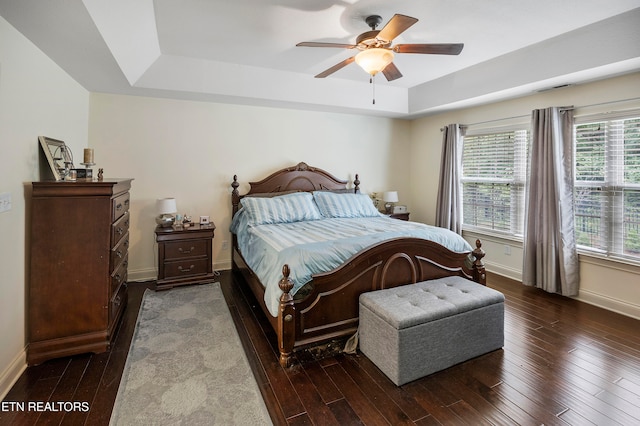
(390, 197)
(166, 206)
(374, 60)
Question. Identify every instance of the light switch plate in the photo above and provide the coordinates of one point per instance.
(5, 202)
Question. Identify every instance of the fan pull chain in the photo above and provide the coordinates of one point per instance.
(372, 80)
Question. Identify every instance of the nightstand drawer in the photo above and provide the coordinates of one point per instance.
(186, 268)
(177, 250)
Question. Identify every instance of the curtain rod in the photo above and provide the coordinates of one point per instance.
(564, 108)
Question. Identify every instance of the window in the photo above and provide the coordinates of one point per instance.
(607, 186)
(493, 181)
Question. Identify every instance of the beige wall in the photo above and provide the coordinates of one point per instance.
(609, 284)
(36, 98)
(191, 150)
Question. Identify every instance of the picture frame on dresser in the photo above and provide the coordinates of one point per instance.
(57, 157)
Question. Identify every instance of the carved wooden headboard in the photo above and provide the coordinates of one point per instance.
(300, 177)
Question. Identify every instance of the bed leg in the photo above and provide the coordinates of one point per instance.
(286, 319)
(479, 273)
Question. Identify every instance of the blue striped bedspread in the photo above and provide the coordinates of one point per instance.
(312, 247)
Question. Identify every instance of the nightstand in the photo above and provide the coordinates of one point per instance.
(184, 255)
(401, 216)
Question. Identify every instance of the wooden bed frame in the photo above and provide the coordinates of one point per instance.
(330, 310)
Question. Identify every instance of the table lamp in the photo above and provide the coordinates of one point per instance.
(389, 199)
(166, 212)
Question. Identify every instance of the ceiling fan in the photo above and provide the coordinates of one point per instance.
(376, 52)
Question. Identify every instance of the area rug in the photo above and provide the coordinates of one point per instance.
(186, 364)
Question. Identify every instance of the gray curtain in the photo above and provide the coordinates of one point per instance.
(449, 202)
(550, 257)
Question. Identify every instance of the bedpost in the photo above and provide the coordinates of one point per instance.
(356, 184)
(235, 195)
(286, 319)
(479, 273)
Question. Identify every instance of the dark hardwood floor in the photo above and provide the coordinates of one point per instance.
(564, 362)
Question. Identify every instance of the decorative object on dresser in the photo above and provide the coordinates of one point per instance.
(184, 255)
(78, 266)
(88, 161)
(166, 211)
(58, 159)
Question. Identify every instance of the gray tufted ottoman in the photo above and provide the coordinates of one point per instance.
(415, 330)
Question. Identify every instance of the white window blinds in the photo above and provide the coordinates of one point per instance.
(493, 180)
(607, 185)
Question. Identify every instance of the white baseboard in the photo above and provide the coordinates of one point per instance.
(12, 373)
(505, 271)
(147, 274)
(222, 266)
(609, 303)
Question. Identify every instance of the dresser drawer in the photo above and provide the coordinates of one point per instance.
(186, 268)
(119, 276)
(119, 252)
(176, 250)
(119, 228)
(117, 303)
(119, 205)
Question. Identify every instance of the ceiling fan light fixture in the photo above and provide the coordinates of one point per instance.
(374, 60)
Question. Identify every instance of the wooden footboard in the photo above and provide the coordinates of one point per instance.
(331, 309)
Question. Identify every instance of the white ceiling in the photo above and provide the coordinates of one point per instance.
(243, 51)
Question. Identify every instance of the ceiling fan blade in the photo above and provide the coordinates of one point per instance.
(320, 44)
(435, 49)
(391, 72)
(396, 26)
(336, 67)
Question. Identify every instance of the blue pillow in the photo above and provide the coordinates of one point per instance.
(345, 205)
(288, 208)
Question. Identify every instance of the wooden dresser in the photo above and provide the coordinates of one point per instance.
(78, 268)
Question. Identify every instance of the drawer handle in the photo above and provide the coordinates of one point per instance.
(186, 251)
(117, 300)
(119, 254)
(118, 278)
(119, 231)
(186, 270)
